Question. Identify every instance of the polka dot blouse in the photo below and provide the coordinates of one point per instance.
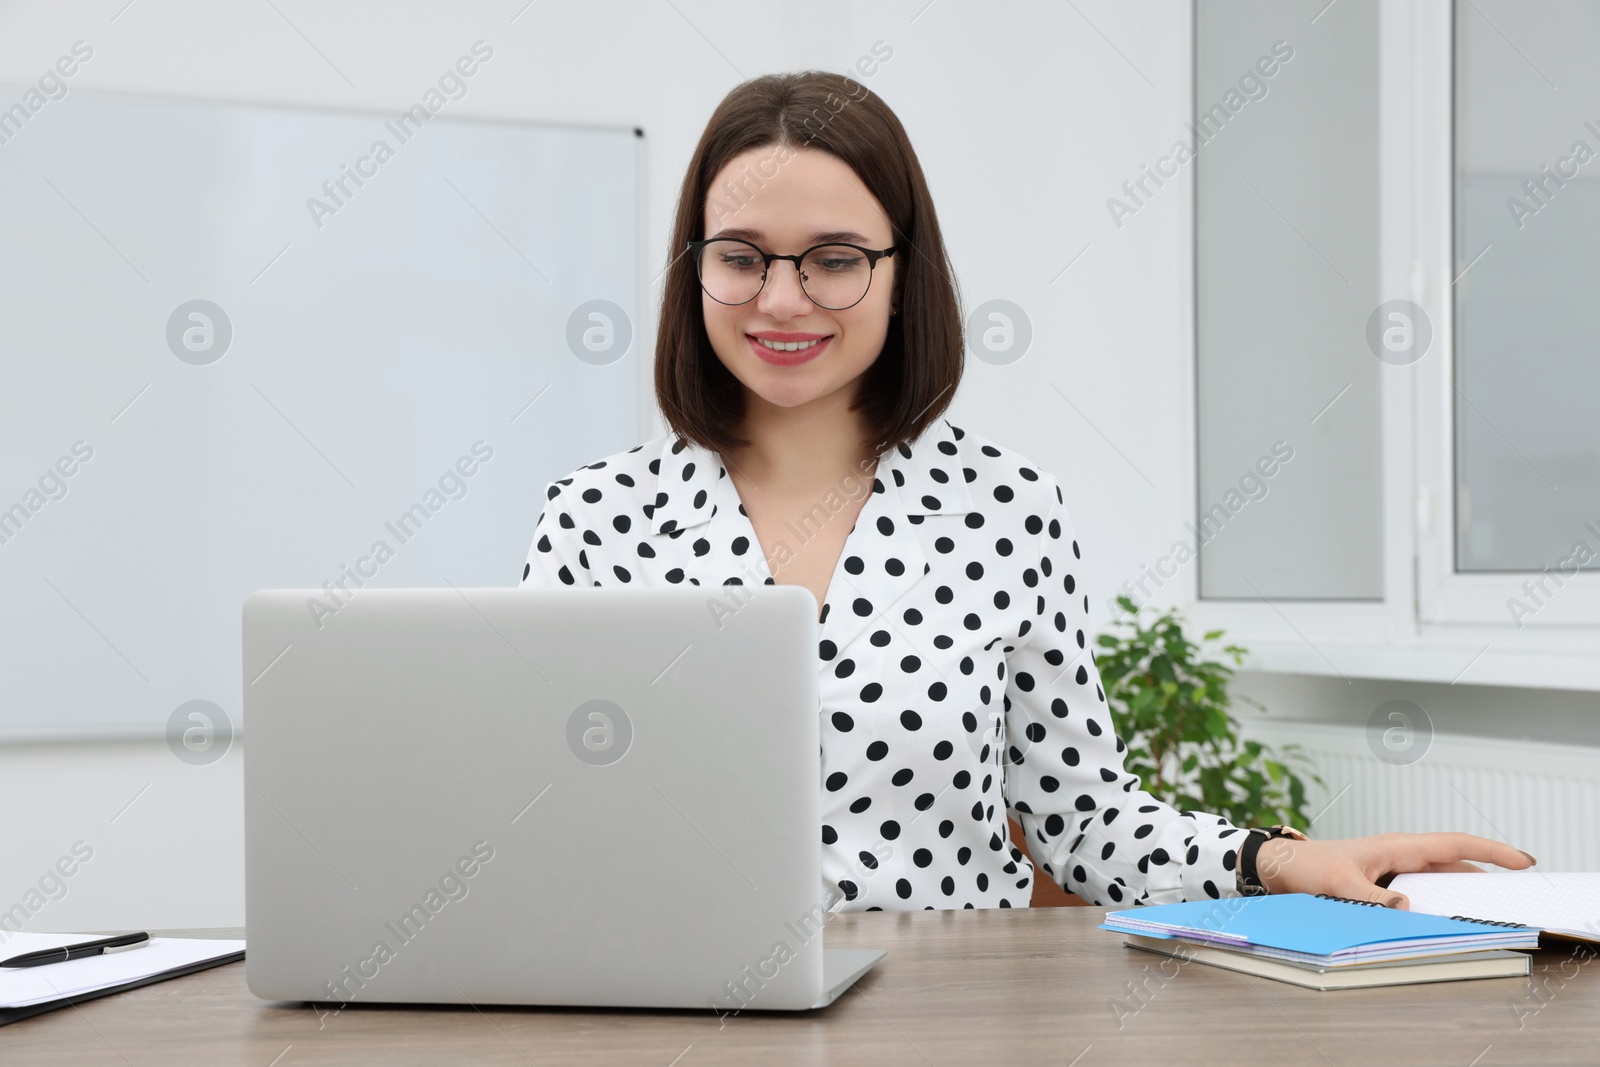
(957, 681)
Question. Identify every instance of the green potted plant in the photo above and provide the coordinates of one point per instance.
(1169, 702)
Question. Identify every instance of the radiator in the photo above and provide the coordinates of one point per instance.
(1542, 798)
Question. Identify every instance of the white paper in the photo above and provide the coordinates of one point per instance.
(21, 987)
(1560, 902)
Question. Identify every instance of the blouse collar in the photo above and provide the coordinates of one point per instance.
(927, 473)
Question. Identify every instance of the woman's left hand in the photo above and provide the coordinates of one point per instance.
(1351, 867)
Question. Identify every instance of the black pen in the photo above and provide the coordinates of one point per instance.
(78, 951)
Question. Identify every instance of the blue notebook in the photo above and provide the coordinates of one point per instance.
(1318, 929)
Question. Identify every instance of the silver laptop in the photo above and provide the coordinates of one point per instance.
(552, 797)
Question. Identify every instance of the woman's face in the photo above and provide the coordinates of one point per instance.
(813, 198)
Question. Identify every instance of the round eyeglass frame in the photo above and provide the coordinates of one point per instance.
(873, 255)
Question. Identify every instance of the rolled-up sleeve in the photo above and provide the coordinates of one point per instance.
(557, 556)
(1089, 823)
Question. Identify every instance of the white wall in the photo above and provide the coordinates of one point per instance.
(1027, 118)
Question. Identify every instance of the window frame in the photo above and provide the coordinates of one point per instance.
(1433, 623)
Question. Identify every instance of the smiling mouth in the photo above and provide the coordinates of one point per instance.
(786, 346)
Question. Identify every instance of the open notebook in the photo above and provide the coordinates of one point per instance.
(26, 991)
(1563, 904)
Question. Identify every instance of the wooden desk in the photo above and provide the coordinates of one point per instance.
(1017, 986)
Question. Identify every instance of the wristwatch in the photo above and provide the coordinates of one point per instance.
(1248, 882)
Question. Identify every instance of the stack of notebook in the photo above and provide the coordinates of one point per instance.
(1326, 942)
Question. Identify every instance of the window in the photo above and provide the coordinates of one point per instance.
(1286, 275)
(1403, 221)
(1527, 250)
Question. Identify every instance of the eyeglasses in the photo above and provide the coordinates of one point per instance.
(834, 277)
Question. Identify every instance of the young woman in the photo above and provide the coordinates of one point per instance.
(810, 341)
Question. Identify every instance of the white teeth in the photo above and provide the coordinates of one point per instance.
(788, 346)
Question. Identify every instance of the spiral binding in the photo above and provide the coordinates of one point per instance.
(1348, 900)
(1487, 922)
(1463, 918)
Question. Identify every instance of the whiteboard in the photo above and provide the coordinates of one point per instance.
(220, 374)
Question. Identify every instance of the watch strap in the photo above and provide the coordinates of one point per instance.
(1249, 881)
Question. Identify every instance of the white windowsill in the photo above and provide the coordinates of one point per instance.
(1489, 657)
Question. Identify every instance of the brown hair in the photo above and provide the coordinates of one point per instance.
(700, 399)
